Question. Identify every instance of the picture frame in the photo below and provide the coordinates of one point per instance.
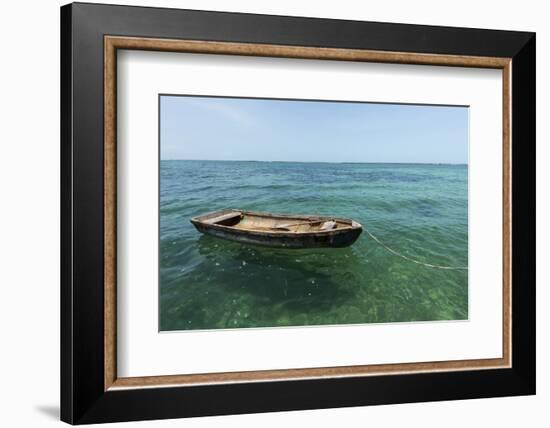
(91, 390)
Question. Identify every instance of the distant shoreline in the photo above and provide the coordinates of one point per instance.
(317, 162)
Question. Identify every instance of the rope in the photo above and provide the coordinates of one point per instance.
(410, 259)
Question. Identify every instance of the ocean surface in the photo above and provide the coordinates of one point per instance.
(418, 210)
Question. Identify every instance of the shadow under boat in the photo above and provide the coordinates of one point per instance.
(299, 280)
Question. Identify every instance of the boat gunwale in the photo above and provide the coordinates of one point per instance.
(354, 225)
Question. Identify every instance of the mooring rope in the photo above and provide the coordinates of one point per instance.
(411, 259)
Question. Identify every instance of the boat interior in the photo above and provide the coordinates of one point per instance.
(274, 223)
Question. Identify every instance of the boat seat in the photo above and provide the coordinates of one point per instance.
(223, 218)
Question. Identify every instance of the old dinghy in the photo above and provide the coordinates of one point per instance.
(279, 230)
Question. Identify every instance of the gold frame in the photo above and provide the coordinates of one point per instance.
(113, 43)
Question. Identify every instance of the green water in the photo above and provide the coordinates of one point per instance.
(419, 210)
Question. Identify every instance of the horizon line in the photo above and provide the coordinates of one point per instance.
(341, 162)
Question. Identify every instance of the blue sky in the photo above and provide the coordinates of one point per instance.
(215, 128)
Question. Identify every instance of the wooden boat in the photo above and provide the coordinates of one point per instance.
(278, 230)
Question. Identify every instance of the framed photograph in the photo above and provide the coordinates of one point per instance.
(265, 213)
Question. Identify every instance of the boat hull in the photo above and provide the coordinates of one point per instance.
(323, 239)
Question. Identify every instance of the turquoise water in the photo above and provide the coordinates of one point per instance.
(418, 210)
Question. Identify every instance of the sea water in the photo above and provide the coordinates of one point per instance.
(418, 210)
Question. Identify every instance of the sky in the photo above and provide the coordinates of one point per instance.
(217, 128)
